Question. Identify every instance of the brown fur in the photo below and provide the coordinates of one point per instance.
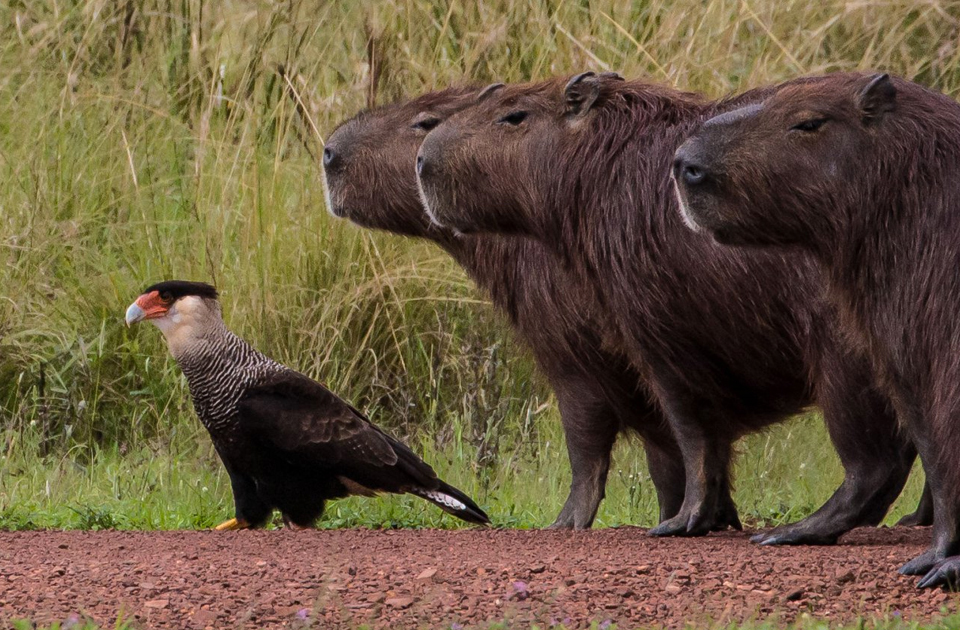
(863, 172)
(729, 342)
(373, 183)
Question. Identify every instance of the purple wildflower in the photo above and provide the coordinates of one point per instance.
(520, 590)
(302, 614)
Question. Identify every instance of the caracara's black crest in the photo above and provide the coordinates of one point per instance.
(182, 288)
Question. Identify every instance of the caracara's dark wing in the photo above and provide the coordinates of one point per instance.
(313, 428)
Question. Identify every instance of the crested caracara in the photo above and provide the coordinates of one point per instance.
(286, 441)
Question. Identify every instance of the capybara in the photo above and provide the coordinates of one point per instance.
(370, 179)
(863, 172)
(728, 341)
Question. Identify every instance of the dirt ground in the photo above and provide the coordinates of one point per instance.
(443, 579)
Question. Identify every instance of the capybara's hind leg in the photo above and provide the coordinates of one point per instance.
(923, 515)
(706, 503)
(666, 471)
(727, 516)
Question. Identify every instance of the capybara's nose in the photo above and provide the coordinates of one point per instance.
(688, 171)
(331, 159)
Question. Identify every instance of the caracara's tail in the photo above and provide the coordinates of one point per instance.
(451, 500)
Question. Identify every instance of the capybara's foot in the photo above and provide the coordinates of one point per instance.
(561, 523)
(676, 526)
(697, 523)
(916, 519)
(793, 535)
(573, 519)
(945, 574)
(727, 517)
(922, 564)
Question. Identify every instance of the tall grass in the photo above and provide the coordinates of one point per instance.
(151, 139)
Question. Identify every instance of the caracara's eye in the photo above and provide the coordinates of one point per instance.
(514, 118)
(809, 126)
(426, 123)
(166, 296)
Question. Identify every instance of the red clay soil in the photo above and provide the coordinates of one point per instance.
(443, 579)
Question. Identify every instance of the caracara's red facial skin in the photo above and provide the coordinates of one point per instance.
(153, 305)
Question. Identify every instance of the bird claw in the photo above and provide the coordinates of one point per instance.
(232, 525)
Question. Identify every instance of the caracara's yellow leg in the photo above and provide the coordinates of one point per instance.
(231, 525)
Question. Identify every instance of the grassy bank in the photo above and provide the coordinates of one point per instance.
(149, 139)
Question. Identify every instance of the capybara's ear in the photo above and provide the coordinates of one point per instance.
(581, 92)
(487, 91)
(877, 97)
(611, 76)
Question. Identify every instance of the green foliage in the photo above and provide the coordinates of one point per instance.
(150, 139)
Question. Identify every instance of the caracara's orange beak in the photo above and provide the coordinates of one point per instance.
(147, 306)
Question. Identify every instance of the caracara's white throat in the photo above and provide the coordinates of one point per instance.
(188, 322)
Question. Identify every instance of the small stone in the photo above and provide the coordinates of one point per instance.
(794, 595)
(538, 568)
(205, 617)
(157, 603)
(426, 574)
(673, 589)
(63, 546)
(399, 602)
(842, 576)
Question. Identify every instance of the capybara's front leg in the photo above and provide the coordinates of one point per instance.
(875, 452)
(590, 427)
(940, 564)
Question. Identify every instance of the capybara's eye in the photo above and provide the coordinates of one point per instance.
(427, 123)
(514, 118)
(809, 126)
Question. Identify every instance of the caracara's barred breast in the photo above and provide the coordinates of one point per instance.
(219, 370)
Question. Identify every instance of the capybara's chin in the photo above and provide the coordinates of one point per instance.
(702, 214)
(340, 211)
(709, 213)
